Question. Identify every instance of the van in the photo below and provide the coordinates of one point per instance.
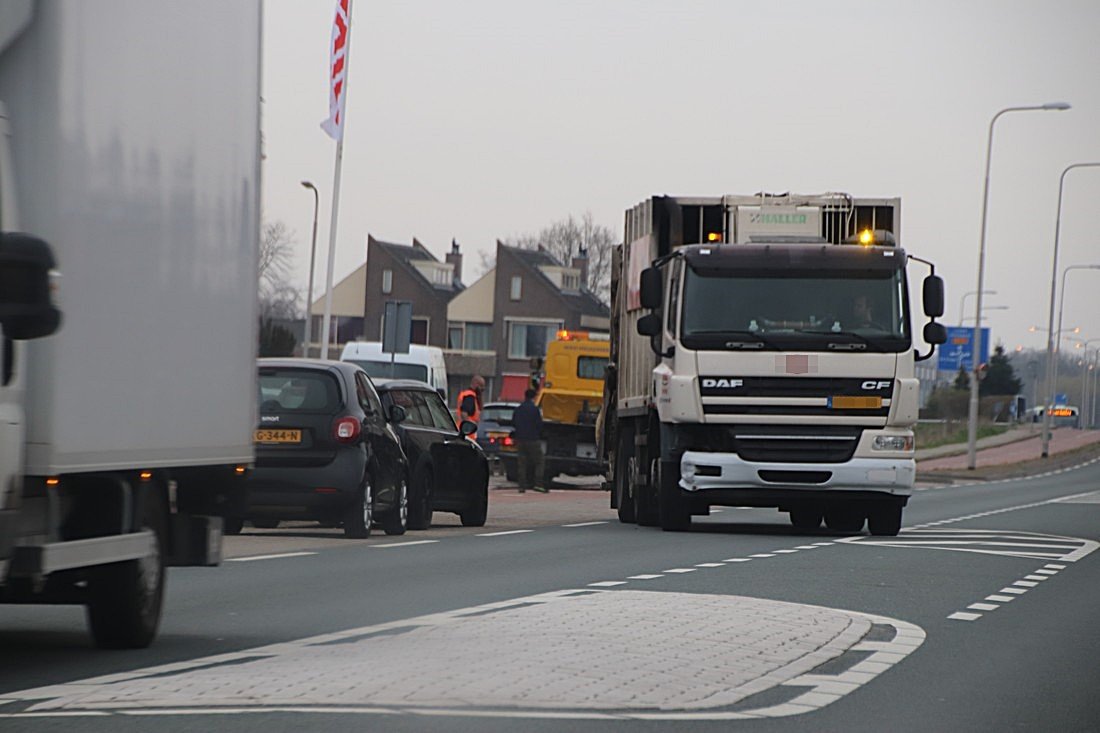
(422, 363)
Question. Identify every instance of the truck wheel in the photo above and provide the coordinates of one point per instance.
(806, 520)
(885, 521)
(674, 513)
(358, 516)
(396, 520)
(645, 511)
(624, 502)
(125, 598)
(845, 518)
(420, 502)
(265, 523)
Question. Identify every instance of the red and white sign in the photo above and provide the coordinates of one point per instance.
(337, 88)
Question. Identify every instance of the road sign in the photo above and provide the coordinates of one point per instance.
(396, 327)
(958, 350)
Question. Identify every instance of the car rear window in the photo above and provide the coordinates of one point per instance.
(298, 390)
(499, 415)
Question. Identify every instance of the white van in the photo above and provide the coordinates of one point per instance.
(422, 363)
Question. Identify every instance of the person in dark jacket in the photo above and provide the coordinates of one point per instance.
(527, 432)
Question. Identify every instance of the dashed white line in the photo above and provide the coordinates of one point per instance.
(405, 544)
(1055, 566)
(763, 554)
(737, 559)
(1014, 591)
(607, 583)
(984, 606)
(710, 565)
(962, 616)
(645, 577)
(1046, 572)
(584, 524)
(1026, 583)
(999, 599)
(784, 552)
(270, 557)
(806, 547)
(680, 570)
(501, 534)
(1035, 577)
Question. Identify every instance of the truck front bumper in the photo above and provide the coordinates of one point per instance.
(702, 471)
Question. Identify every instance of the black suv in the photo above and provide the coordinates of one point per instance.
(449, 471)
(325, 451)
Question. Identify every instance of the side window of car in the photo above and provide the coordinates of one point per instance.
(368, 398)
(441, 416)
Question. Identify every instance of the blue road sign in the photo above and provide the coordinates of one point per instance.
(958, 351)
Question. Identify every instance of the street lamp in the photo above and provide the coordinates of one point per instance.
(312, 255)
(1085, 411)
(962, 301)
(988, 308)
(972, 427)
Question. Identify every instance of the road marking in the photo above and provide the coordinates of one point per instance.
(645, 577)
(1046, 572)
(806, 547)
(1007, 543)
(607, 583)
(383, 669)
(738, 559)
(1015, 591)
(983, 606)
(405, 544)
(1035, 577)
(1026, 583)
(501, 534)
(961, 616)
(763, 554)
(680, 570)
(270, 557)
(784, 552)
(584, 524)
(999, 599)
(710, 565)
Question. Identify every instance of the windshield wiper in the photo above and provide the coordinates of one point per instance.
(863, 341)
(735, 343)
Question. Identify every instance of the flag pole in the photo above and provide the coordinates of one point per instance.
(326, 327)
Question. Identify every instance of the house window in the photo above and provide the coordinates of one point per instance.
(570, 282)
(419, 331)
(526, 340)
(517, 287)
(387, 281)
(477, 336)
(454, 337)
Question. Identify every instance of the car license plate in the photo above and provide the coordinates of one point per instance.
(278, 436)
(586, 450)
(855, 403)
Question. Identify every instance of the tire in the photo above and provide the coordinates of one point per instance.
(265, 523)
(673, 512)
(885, 521)
(844, 518)
(358, 516)
(420, 500)
(624, 499)
(476, 515)
(125, 598)
(396, 520)
(646, 511)
(806, 520)
(511, 470)
(232, 525)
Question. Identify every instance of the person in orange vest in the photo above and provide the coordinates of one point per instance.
(469, 402)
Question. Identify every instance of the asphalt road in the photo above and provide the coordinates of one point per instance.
(979, 616)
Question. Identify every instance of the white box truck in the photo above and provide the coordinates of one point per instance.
(129, 218)
(763, 356)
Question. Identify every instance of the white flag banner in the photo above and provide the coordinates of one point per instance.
(337, 89)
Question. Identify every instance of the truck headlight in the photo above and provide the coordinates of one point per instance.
(893, 442)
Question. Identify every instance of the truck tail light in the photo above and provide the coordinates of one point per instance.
(346, 429)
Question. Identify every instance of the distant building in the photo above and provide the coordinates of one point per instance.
(347, 314)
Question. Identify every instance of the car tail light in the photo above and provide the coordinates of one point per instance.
(508, 440)
(346, 429)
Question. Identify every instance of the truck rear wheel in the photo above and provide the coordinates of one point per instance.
(844, 518)
(806, 520)
(624, 501)
(125, 598)
(645, 506)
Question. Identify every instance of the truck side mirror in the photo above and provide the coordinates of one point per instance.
(26, 308)
(933, 297)
(651, 288)
(935, 334)
(649, 325)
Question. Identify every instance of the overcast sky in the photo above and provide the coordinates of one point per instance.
(483, 119)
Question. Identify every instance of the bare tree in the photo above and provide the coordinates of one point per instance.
(278, 298)
(568, 238)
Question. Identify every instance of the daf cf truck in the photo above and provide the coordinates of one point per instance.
(129, 219)
(762, 355)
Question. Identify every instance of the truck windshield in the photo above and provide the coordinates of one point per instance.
(819, 310)
(392, 370)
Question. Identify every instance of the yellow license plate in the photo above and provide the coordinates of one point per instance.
(855, 403)
(278, 436)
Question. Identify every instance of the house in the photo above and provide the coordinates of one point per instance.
(346, 323)
(505, 319)
(411, 273)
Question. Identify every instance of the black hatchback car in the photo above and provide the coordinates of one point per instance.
(325, 451)
(449, 471)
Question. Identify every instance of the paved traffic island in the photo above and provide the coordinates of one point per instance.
(1014, 453)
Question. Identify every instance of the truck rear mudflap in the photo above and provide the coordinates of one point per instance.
(705, 472)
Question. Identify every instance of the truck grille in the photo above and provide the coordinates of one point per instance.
(795, 444)
(809, 396)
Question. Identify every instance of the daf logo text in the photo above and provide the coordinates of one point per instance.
(723, 383)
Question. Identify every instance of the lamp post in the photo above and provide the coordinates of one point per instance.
(972, 423)
(1085, 412)
(312, 256)
(1051, 363)
(987, 308)
(962, 301)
